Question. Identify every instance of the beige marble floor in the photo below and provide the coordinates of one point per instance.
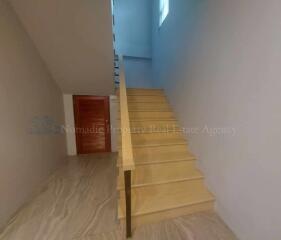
(79, 203)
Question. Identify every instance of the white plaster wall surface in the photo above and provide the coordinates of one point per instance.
(219, 62)
(69, 125)
(31, 105)
(75, 40)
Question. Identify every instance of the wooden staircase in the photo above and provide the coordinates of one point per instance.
(165, 182)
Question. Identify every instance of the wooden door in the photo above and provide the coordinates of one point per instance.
(92, 124)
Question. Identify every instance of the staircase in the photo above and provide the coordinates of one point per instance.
(165, 182)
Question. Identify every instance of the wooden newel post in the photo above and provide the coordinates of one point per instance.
(127, 175)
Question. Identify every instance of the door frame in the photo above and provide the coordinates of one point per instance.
(77, 122)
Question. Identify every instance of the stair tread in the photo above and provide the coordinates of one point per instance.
(155, 124)
(160, 173)
(149, 106)
(163, 142)
(142, 115)
(152, 119)
(152, 131)
(152, 199)
(160, 154)
(147, 99)
(158, 138)
(143, 90)
(150, 111)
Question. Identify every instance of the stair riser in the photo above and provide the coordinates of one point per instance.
(154, 125)
(158, 136)
(146, 99)
(149, 107)
(154, 139)
(158, 198)
(160, 151)
(151, 115)
(157, 125)
(144, 92)
(170, 214)
(161, 154)
(161, 173)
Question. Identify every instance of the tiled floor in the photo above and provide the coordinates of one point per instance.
(79, 203)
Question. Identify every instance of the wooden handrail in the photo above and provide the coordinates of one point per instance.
(127, 160)
(128, 163)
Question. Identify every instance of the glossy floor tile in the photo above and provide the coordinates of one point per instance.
(79, 202)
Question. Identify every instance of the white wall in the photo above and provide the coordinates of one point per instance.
(75, 40)
(219, 62)
(114, 107)
(31, 106)
(69, 125)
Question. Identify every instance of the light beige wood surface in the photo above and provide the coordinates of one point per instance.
(143, 91)
(155, 125)
(159, 173)
(151, 115)
(147, 99)
(79, 202)
(162, 154)
(159, 198)
(127, 150)
(165, 181)
(170, 213)
(149, 106)
(152, 119)
(156, 139)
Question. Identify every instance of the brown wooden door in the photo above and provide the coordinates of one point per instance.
(92, 123)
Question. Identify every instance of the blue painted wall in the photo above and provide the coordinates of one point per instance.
(133, 30)
(133, 27)
(138, 72)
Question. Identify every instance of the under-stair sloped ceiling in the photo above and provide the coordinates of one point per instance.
(74, 39)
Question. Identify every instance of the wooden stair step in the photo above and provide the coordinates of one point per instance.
(161, 173)
(163, 142)
(155, 125)
(144, 92)
(161, 154)
(159, 202)
(147, 99)
(139, 115)
(150, 109)
(162, 106)
(154, 139)
(165, 181)
(157, 138)
(150, 115)
(152, 119)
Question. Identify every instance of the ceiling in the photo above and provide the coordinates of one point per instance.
(74, 38)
